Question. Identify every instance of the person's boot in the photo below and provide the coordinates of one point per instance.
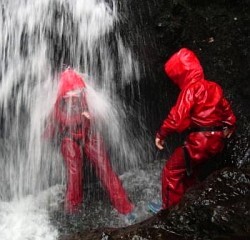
(155, 207)
(130, 218)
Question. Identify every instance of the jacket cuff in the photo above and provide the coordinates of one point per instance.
(158, 135)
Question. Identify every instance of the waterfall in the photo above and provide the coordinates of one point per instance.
(38, 38)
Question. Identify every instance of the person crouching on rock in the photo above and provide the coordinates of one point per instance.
(203, 113)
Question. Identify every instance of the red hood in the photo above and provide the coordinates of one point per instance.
(69, 80)
(184, 67)
(69, 84)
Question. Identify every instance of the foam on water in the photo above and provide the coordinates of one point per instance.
(25, 219)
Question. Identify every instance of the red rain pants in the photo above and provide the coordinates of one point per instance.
(95, 152)
(201, 147)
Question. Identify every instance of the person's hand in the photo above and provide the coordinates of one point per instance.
(227, 132)
(86, 114)
(159, 143)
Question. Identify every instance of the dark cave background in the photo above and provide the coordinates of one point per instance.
(218, 31)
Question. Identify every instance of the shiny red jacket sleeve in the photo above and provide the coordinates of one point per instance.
(179, 117)
(212, 110)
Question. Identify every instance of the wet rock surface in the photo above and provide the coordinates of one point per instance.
(219, 32)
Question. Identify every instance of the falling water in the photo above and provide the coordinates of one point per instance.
(38, 38)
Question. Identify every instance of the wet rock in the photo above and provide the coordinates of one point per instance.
(216, 207)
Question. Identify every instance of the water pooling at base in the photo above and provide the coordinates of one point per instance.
(38, 38)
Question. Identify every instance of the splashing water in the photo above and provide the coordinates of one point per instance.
(27, 218)
(37, 39)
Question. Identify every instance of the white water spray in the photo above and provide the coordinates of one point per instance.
(37, 38)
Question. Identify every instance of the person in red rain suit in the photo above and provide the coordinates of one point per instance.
(71, 123)
(202, 109)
